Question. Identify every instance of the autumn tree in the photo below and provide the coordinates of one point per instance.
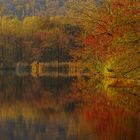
(111, 31)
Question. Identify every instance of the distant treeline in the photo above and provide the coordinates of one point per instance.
(22, 8)
(37, 38)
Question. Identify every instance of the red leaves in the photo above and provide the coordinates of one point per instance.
(90, 41)
(107, 118)
(99, 44)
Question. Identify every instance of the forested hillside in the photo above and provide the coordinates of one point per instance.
(102, 35)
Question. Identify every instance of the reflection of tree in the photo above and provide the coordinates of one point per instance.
(44, 94)
(111, 115)
(111, 121)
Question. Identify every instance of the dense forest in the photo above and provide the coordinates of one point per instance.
(36, 39)
(102, 35)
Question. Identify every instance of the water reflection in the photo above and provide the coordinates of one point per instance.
(48, 108)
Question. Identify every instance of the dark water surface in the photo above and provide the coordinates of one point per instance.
(48, 108)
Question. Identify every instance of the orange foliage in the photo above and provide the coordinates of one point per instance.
(115, 21)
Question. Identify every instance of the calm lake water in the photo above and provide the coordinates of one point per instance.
(70, 108)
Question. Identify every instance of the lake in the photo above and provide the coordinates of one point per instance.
(66, 108)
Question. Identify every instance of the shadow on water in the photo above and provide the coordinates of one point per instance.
(66, 108)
